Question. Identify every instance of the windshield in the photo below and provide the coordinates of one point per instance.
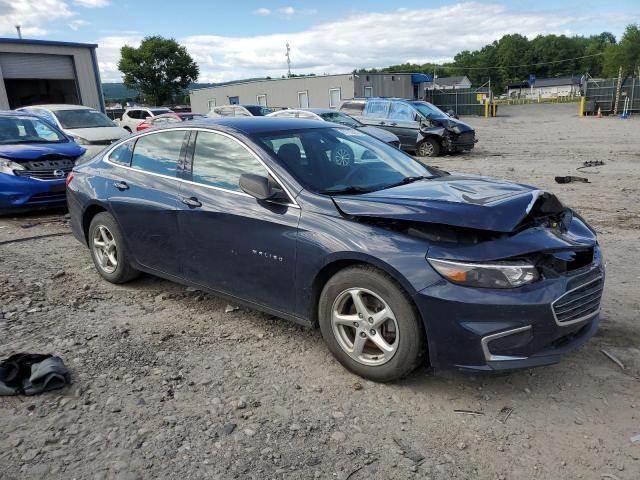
(15, 130)
(82, 119)
(341, 118)
(341, 160)
(258, 110)
(429, 110)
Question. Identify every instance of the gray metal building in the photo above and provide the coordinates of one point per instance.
(40, 71)
(323, 91)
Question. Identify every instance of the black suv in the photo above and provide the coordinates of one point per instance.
(422, 127)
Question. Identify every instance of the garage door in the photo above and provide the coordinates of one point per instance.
(32, 65)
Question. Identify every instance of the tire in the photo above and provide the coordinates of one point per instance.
(429, 147)
(341, 325)
(105, 235)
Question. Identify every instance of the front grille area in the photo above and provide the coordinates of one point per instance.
(46, 197)
(466, 138)
(580, 303)
(54, 169)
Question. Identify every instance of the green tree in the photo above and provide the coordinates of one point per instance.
(626, 53)
(159, 68)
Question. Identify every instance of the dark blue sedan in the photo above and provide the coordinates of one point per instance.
(35, 159)
(396, 262)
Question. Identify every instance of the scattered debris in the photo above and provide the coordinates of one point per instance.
(571, 179)
(609, 475)
(32, 373)
(504, 414)
(36, 237)
(357, 386)
(408, 452)
(591, 163)
(469, 412)
(357, 469)
(612, 357)
(635, 439)
(231, 308)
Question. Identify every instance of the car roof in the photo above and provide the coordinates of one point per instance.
(147, 108)
(319, 111)
(250, 125)
(14, 113)
(54, 107)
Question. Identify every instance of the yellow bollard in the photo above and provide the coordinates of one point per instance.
(486, 109)
(582, 99)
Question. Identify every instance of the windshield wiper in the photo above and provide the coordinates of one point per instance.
(346, 190)
(407, 180)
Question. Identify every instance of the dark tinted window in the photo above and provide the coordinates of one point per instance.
(134, 114)
(352, 108)
(219, 161)
(158, 152)
(122, 154)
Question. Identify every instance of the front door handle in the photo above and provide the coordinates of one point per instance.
(394, 124)
(121, 186)
(192, 202)
(382, 123)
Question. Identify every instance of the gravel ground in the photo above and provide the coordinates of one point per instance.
(168, 385)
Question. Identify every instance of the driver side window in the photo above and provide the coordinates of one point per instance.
(401, 111)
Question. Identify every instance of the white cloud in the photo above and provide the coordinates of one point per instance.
(77, 24)
(263, 12)
(287, 11)
(108, 54)
(92, 3)
(31, 15)
(363, 40)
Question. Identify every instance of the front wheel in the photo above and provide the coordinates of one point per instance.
(369, 324)
(107, 250)
(429, 147)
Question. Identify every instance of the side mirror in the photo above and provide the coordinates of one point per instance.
(260, 187)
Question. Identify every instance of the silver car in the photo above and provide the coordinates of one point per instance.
(328, 115)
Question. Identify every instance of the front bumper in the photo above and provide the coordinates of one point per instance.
(460, 142)
(18, 193)
(486, 330)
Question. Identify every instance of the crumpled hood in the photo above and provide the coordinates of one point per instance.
(35, 151)
(449, 123)
(457, 200)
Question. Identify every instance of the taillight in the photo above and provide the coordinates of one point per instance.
(69, 178)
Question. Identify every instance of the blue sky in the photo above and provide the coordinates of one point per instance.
(247, 38)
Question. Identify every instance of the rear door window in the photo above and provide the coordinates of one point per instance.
(377, 109)
(218, 161)
(159, 152)
(122, 154)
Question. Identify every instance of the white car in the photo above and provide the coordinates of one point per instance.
(88, 127)
(229, 111)
(329, 115)
(134, 116)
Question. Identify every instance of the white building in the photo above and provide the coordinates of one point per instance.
(546, 88)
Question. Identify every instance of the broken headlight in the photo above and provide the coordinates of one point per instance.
(7, 166)
(510, 274)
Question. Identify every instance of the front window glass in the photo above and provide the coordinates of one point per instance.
(429, 110)
(14, 130)
(341, 118)
(219, 161)
(340, 160)
(377, 109)
(401, 111)
(158, 153)
(83, 119)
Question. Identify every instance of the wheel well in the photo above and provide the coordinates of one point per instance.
(331, 269)
(89, 213)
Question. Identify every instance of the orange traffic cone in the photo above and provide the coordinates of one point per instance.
(599, 113)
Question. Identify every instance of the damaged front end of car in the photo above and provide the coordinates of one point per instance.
(520, 275)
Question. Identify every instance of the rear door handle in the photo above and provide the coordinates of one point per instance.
(394, 124)
(382, 123)
(121, 186)
(192, 202)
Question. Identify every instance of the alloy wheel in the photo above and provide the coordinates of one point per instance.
(364, 326)
(342, 157)
(105, 249)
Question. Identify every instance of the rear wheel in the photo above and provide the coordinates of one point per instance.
(429, 147)
(369, 324)
(107, 250)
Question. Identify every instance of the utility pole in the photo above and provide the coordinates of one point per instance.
(19, 32)
(288, 60)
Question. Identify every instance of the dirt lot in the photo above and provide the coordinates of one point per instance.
(168, 385)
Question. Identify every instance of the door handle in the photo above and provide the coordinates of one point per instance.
(192, 202)
(394, 124)
(121, 186)
(382, 123)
